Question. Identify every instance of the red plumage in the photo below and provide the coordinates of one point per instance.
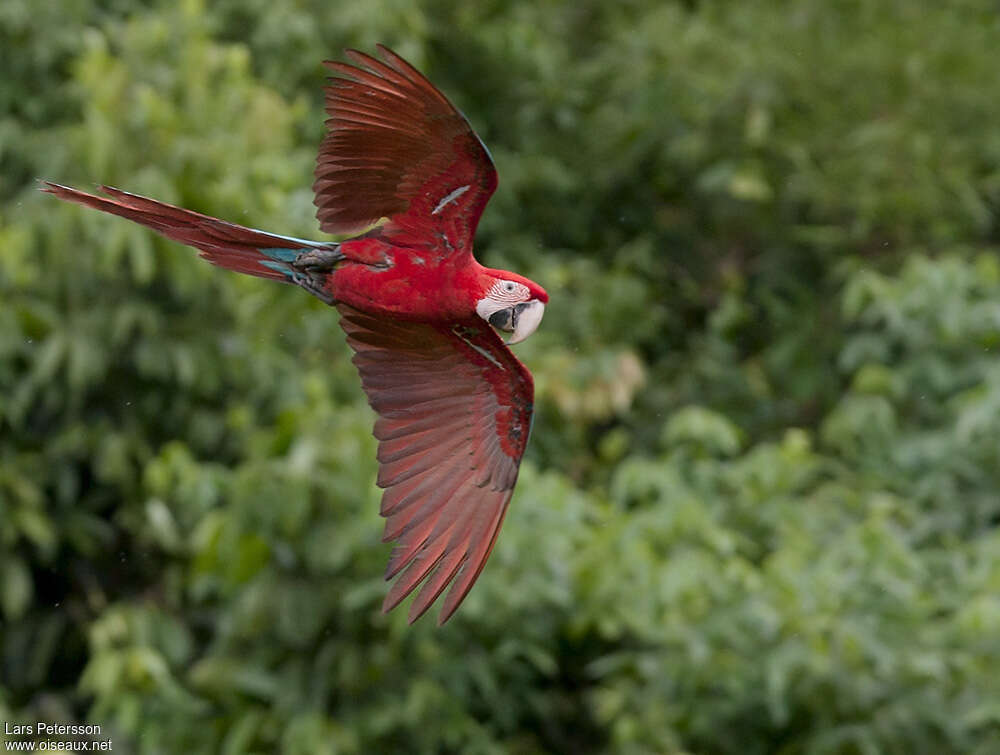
(454, 404)
(397, 149)
(221, 243)
(440, 392)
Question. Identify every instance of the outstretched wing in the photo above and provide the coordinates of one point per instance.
(454, 412)
(397, 149)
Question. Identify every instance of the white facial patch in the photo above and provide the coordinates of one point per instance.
(509, 292)
(501, 295)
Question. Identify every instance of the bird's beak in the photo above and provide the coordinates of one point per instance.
(521, 319)
(525, 319)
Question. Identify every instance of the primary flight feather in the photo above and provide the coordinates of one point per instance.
(454, 404)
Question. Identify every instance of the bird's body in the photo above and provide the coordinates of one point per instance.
(401, 167)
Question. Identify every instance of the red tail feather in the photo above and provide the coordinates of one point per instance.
(225, 244)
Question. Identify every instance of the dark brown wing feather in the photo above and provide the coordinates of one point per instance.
(454, 411)
(397, 149)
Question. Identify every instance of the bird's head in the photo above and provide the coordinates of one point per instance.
(512, 303)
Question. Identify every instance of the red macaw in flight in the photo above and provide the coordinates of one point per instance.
(454, 404)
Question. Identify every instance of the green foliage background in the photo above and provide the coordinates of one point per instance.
(759, 511)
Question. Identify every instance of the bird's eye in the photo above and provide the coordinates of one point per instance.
(509, 286)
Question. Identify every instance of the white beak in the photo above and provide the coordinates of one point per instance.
(527, 321)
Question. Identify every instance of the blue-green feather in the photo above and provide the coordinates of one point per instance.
(283, 255)
(276, 266)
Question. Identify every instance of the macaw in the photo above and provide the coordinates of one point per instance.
(402, 171)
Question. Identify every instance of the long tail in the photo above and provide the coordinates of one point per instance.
(228, 245)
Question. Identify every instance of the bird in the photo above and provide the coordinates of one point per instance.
(402, 175)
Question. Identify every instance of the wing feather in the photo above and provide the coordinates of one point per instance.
(483, 539)
(398, 149)
(393, 474)
(435, 584)
(412, 490)
(387, 428)
(415, 509)
(454, 408)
